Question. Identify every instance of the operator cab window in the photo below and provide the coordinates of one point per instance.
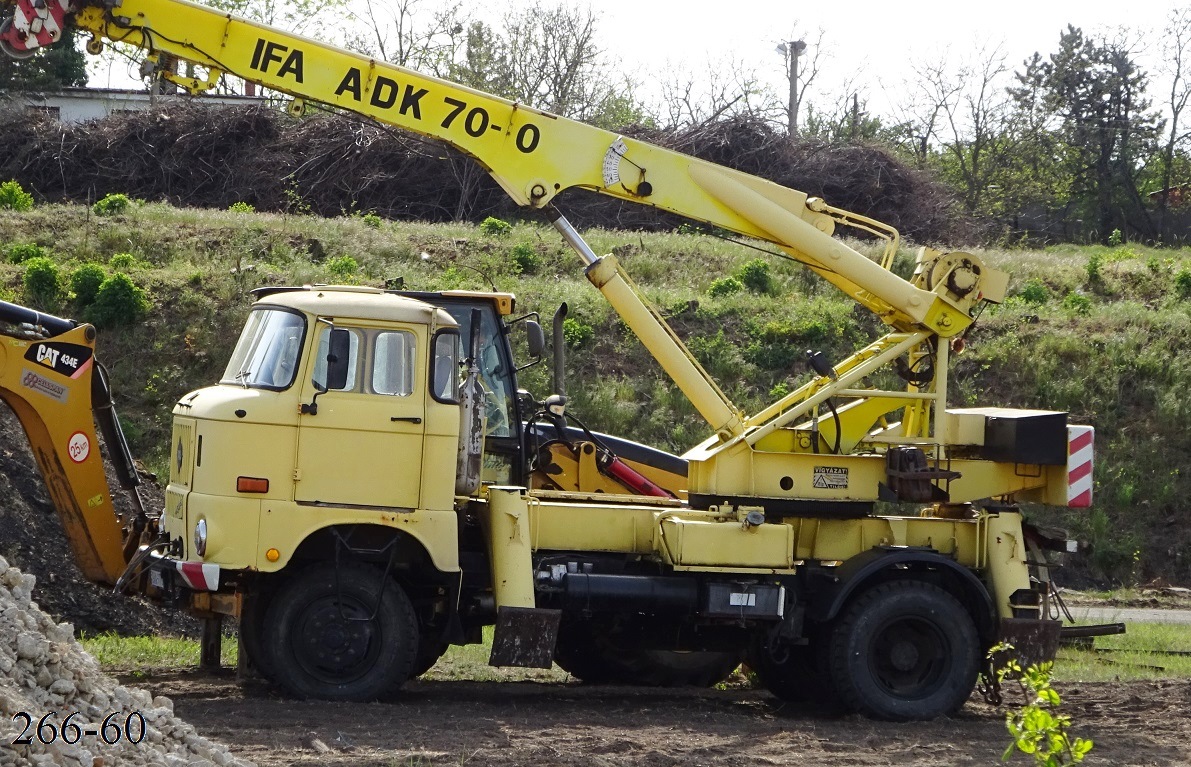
(267, 354)
(319, 376)
(393, 363)
(444, 367)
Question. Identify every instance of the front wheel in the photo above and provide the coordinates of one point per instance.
(904, 650)
(340, 633)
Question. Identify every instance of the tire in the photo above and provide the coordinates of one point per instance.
(589, 652)
(794, 673)
(902, 651)
(428, 654)
(320, 641)
(252, 622)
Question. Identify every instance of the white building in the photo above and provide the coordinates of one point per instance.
(72, 105)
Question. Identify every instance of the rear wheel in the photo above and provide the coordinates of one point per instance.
(326, 634)
(904, 650)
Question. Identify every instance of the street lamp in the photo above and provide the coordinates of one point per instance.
(792, 50)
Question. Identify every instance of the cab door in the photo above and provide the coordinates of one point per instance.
(362, 444)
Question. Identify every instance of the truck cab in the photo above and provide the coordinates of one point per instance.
(337, 401)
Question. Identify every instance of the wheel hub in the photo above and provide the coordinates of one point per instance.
(909, 657)
(335, 639)
(904, 656)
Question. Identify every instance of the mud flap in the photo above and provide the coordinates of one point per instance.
(1034, 641)
(525, 637)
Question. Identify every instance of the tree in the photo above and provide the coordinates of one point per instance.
(847, 120)
(801, 71)
(398, 33)
(1176, 65)
(62, 65)
(1096, 93)
(964, 126)
(721, 89)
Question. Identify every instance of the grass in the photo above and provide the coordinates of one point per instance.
(470, 662)
(146, 653)
(1146, 651)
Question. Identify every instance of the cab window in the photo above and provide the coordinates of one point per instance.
(444, 367)
(319, 376)
(266, 356)
(393, 363)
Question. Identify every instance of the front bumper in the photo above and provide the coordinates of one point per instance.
(196, 576)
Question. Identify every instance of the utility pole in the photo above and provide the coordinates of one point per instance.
(792, 50)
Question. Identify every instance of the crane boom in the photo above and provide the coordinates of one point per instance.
(533, 155)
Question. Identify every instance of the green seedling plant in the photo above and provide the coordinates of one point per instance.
(495, 227)
(14, 197)
(112, 205)
(1038, 727)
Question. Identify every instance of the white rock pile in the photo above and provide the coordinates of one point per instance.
(46, 676)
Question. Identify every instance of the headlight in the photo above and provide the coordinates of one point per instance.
(200, 537)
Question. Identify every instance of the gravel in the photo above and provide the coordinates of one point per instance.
(48, 678)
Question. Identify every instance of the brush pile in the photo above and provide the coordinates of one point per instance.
(206, 156)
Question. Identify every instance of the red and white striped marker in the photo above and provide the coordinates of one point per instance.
(1080, 440)
(199, 576)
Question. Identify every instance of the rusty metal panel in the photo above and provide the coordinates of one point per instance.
(1034, 641)
(524, 637)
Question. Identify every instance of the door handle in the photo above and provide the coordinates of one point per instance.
(406, 418)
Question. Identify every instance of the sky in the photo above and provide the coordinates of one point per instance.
(869, 46)
(877, 41)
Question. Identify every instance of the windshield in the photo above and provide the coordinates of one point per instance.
(267, 353)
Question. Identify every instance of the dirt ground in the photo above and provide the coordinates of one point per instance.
(525, 723)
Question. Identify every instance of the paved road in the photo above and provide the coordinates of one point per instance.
(1130, 615)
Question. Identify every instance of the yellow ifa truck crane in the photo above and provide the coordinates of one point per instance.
(366, 484)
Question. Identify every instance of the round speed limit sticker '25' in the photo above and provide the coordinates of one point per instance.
(79, 447)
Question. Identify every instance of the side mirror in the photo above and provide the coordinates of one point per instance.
(338, 354)
(535, 338)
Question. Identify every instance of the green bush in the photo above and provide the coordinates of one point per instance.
(755, 276)
(21, 252)
(42, 281)
(1035, 292)
(576, 333)
(1115, 238)
(112, 205)
(724, 286)
(1182, 283)
(525, 258)
(123, 262)
(14, 197)
(343, 267)
(1077, 303)
(85, 283)
(495, 227)
(1095, 269)
(242, 207)
(718, 354)
(119, 301)
(371, 220)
